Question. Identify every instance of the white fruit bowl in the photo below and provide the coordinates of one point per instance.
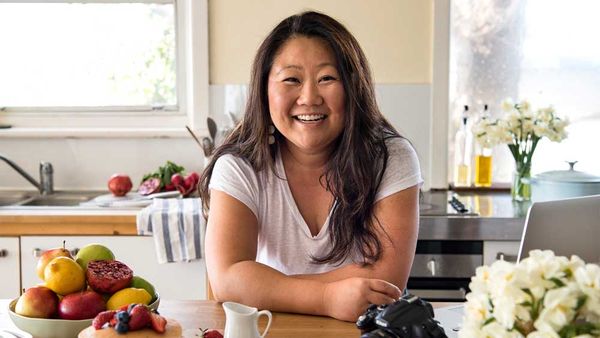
(54, 328)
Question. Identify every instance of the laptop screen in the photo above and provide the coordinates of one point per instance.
(567, 227)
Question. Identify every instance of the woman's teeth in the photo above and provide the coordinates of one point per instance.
(309, 118)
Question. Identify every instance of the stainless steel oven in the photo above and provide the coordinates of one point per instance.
(442, 269)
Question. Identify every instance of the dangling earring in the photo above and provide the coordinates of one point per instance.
(271, 132)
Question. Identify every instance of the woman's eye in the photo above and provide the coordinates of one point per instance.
(291, 80)
(328, 78)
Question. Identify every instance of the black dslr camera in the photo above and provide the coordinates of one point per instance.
(408, 317)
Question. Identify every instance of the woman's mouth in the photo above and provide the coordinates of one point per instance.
(310, 117)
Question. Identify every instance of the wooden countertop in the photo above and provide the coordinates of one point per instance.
(67, 222)
(194, 314)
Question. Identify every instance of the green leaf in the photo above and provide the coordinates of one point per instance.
(580, 302)
(489, 320)
(557, 282)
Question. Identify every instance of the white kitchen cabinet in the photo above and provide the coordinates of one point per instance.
(172, 281)
(495, 250)
(10, 279)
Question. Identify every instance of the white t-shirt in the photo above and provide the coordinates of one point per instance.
(284, 239)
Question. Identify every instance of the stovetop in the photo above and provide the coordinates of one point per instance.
(445, 203)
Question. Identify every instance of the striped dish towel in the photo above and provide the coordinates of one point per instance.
(177, 226)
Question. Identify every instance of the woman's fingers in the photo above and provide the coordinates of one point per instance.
(383, 287)
(379, 298)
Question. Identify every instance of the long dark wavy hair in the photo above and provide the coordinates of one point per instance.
(355, 169)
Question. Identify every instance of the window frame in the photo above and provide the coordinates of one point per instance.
(191, 17)
(440, 95)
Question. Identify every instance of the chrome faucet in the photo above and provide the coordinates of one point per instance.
(46, 183)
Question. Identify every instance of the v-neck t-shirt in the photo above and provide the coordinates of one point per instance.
(284, 239)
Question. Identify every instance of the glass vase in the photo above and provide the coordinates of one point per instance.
(521, 185)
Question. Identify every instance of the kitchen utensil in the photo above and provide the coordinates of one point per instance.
(207, 146)
(212, 128)
(560, 184)
(232, 118)
(194, 136)
(241, 321)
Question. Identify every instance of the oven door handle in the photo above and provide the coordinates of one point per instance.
(431, 266)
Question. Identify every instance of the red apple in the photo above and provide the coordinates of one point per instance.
(81, 305)
(119, 184)
(37, 302)
(49, 255)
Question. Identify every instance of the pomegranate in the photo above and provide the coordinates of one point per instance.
(108, 276)
(119, 184)
(149, 186)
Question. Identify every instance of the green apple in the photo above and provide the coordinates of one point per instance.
(141, 283)
(93, 252)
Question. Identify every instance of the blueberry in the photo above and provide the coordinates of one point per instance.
(122, 327)
(123, 316)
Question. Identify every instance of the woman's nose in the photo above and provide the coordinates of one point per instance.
(310, 95)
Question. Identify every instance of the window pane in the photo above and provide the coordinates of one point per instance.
(540, 50)
(87, 55)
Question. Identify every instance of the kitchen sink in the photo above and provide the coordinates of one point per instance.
(12, 197)
(56, 199)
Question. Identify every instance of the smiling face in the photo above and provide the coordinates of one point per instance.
(306, 95)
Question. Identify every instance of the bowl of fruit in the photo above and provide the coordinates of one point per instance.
(76, 289)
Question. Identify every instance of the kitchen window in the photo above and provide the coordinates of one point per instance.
(540, 50)
(103, 64)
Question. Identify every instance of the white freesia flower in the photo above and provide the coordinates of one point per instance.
(559, 308)
(507, 105)
(525, 106)
(540, 297)
(543, 334)
(521, 128)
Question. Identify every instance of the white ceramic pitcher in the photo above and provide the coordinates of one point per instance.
(241, 321)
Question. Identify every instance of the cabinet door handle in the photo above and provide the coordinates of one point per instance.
(37, 252)
(3, 252)
(431, 266)
(501, 256)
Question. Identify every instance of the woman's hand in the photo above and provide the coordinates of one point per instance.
(348, 298)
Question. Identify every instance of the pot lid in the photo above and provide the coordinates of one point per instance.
(570, 175)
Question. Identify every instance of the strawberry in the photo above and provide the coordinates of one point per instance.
(139, 318)
(159, 323)
(212, 334)
(102, 318)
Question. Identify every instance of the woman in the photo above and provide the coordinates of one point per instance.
(313, 199)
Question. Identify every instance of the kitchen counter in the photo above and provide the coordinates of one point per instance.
(490, 216)
(209, 314)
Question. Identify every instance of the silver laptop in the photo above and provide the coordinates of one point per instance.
(567, 227)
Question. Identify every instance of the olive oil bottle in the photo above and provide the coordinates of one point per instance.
(463, 150)
(483, 160)
(483, 168)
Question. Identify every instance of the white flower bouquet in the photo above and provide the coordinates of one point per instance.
(543, 296)
(521, 129)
